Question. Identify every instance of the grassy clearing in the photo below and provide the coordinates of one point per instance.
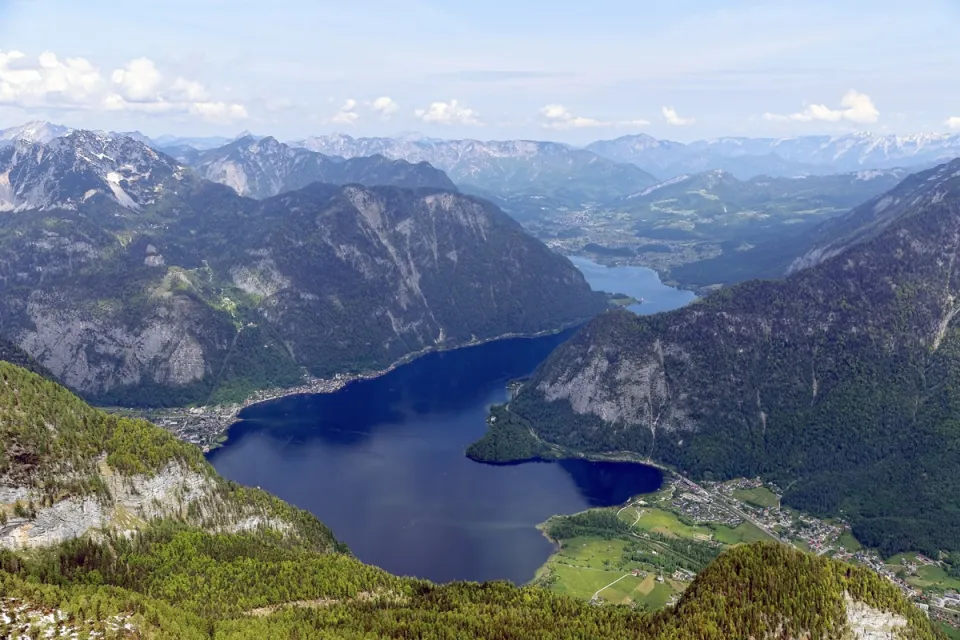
(644, 591)
(743, 533)
(583, 566)
(849, 542)
(897, 559)
(927, 576)
(592, 553)
(758, 497)
(951, 632)
(668, 524)
(930, 576)
(580, 583)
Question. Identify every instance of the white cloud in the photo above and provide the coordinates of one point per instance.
(188, 91)
(138, 81)
(219, 111)
(673, 118)
(953, 123)
(856, 107)
(47, 81)
(346, 114)
(559, 117)
(449, 113)
(385, 106)
(76, 84)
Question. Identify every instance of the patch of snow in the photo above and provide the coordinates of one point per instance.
(113, 181)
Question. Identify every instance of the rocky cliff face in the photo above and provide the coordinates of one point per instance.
(833, 381)
(178, 290)
(67, 470)
(133, 501)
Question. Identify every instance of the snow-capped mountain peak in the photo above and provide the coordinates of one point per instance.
(70, 170)
(34, 131)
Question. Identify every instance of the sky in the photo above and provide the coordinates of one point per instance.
(562, 70)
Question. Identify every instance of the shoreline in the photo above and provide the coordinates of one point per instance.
(207, 426)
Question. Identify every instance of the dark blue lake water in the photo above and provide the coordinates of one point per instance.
(381, 462)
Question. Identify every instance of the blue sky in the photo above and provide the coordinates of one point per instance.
(563, 70)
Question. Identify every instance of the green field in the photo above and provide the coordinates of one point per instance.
(849, 542)
(758, 497)
(952, 632)
(589, 563)
(928, 576)
(583, 566)
(744, 532)
(644, 591)
(895, 560)
(667, 523)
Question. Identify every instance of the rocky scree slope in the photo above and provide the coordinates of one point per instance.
(260, 168)
(133, 282)
(839, 382)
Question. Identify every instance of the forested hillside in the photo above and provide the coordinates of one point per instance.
(839, 383)
(182, 583)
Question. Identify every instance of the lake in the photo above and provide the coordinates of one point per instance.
(382, 463)
(638, 282)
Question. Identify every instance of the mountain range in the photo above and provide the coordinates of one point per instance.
(749, 157)
(476, 161)
(839, 383)
(264, 167)
(134, 281)
(511, 169)
(743, 157)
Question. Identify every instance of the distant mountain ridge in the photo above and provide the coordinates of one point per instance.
(35, 131)
(508, 163)
(512, 168)
(749, 157)
(263, 167)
